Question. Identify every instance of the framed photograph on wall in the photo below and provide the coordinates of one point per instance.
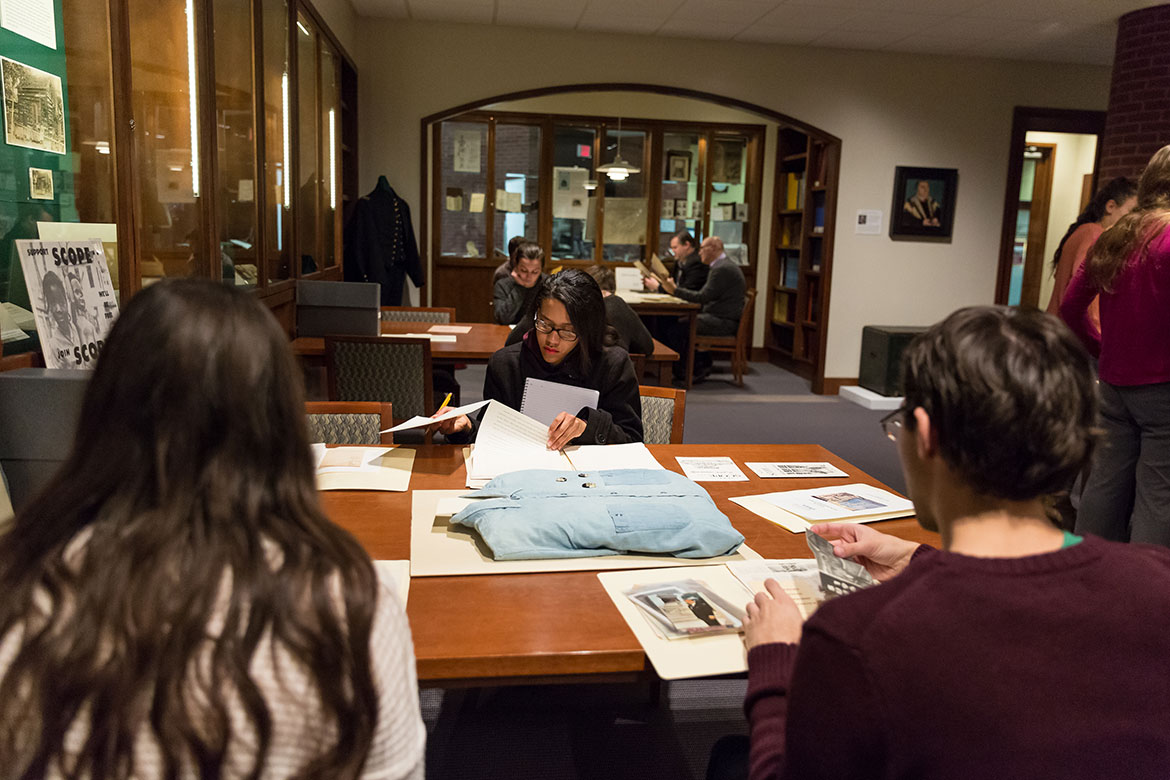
(924, 203)
(678, 166)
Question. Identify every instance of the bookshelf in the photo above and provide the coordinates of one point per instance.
(800, 266)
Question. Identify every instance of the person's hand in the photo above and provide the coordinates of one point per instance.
(771, 617)
(452, 425)
(525, 282)
(669, 285)
(651, 283)
(564, 429)
(882, 555)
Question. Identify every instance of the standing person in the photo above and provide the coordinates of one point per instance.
(722, 298)
(566, 344)
(1116, 199)
(176, 603)
(690, 272)
(1128, 490)
(513, 293)
(1017, 650)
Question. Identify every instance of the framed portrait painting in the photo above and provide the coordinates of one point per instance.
(678, 166)
(924, 203)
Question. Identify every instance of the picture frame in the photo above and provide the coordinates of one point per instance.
(678, 166)
(923, 205)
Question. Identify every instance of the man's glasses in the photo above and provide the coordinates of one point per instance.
(544, 326)
(892, 423)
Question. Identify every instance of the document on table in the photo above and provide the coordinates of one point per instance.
(450, 329)
(721, 469)
(799, 577)
(396, 576)
(435, 337)
(21, 317)
(451, 412)
(544, 400)
(364, 468)
(793, 470)
(9, 331)
(798, 510)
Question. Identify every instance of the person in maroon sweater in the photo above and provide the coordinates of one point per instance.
(1017, 650)
(1128, 491)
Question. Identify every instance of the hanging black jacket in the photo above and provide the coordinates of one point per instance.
(380, 245)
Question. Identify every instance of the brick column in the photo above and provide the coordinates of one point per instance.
(1138, 122)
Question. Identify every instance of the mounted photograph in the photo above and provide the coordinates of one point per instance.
(34, 109)
(924, 202)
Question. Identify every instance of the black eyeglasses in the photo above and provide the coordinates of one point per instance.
(544, 326)
(892, 423)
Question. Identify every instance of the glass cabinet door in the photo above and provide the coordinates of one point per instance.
(277, 140)
(235, 134)
(728, 217)
(463, 189)
(624, 225)
(164, 62)
(306, 195)
(574, 200)
(330, 196)
(682, 188)
(517, 185)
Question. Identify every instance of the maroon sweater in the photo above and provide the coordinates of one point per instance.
(1054, 665)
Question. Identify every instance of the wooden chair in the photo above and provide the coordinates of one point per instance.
(388, 370)
(350, 422)
(21, 360)
(739, 344)
(663, 413)
(439, 316)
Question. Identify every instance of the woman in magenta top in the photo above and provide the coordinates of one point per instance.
(1128, 491)
(1112, 202)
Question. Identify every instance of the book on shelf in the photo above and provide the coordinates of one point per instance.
(794, 191)
(780, 308)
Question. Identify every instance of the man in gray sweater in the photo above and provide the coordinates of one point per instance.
(722, 298)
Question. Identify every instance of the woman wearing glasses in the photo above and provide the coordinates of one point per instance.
(567, 344)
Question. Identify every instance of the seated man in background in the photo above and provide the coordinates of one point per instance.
(689, 271)
(722, 297)
(513, 294)
(1018, 650)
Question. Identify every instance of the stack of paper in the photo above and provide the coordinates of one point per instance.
(797, 510)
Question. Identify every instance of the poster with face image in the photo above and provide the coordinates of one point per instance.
(72, 299)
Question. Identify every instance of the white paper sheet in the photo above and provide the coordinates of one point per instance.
(450, 329)
(628, 278)
(544, 400)
(843, 502)
(509, 441)
(418, 421)
(33, 19)
(396, 576)
(805, 470)
(799, 577)
(475, 204)
(433, 337)
(595, 457)
(721, 469)
(9, 331)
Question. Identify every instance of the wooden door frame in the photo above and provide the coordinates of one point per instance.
(1024, 120)
(1037, 228)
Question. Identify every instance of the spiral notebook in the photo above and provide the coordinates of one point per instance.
(543, 400)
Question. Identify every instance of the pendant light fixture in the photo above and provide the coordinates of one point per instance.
(619, 169)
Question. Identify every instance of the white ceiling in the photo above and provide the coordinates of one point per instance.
(1053, 30)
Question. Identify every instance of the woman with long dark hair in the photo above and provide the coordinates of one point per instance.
(1111, 203)
(567, 344)
(1128, 489)
(175, 603)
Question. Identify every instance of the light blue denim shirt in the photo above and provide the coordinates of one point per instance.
(571, 514)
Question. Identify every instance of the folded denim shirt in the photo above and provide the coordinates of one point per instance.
(573, 514)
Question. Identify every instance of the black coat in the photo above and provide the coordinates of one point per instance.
(380, 245)
(618, 416)
(692, 274)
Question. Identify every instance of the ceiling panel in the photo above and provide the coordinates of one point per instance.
(472, 11)
(857, 39)
(787, 35)
(541, 14)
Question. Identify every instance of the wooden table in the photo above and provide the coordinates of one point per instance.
(475, 346)
(529, 628)
(661, 304)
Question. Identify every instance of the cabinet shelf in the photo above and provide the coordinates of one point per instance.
(797, 156)
(783, 324)
(782, 289)
(811, 272)
(791, 212)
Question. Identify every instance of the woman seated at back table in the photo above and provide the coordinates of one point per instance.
(176, 603)
(630, 332)
(512, 294)
(567, 344)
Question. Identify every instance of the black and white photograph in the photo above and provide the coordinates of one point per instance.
(727, 162)
(838, 575)
(678, 166)
(685, 608)
(40, 184)
(34, 108)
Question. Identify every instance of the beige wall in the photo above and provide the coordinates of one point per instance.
(888, 109)
(1074, 158)
(342, 20)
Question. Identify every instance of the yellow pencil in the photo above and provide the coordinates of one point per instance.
(443, 406)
